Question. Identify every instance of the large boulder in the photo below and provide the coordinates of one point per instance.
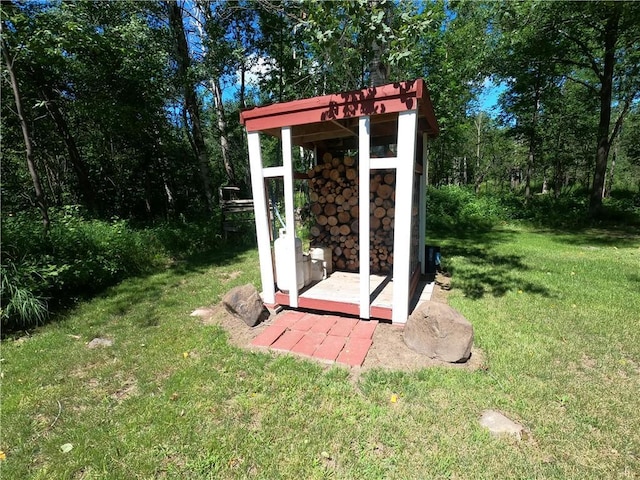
(245, 303)
(438, 331)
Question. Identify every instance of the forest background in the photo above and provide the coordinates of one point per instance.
(120, 120)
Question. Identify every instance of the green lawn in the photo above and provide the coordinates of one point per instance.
(556, 314)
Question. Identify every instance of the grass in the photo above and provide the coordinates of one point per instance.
(555, 313)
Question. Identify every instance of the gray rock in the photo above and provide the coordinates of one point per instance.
(499, 425)
(100, 342)
(245, 303)
(438, 331)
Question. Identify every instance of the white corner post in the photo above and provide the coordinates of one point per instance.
(423, 205)
(262, 218)
(287, 163)
(364, 169)
(402, 229)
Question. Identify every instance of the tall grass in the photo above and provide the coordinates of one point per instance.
(81, 256)
(458, 208)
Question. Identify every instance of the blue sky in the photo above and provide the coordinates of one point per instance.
(488, 99)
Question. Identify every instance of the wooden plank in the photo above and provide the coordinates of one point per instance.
(341, 285)
(364, 167)
(270, 172)
(289, 208)
(261, 218)
(385, 99)
(383, 163)
(423, 205)
(402, 229)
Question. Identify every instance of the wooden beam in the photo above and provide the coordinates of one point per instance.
(287, 161)
(423, 205)
(364, 167)
(384, 163)
(402, 228)
(346, 129)
(261, 218)
(270, 172)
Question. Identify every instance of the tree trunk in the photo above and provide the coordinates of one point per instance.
(607, 191)
(606, 89)
(378, 71)
(533, 140)
(190, 99)
(478, 180)
(222, 131)
(214, 85)
(465, 177)
(78, 163)
(41, 201)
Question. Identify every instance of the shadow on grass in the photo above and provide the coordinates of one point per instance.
(483, 271)
(612, 236)
(152, 288)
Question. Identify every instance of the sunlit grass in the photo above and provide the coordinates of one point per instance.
(555, 314)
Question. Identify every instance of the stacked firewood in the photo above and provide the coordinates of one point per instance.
(334, 194)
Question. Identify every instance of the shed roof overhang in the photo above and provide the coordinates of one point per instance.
(333, 119)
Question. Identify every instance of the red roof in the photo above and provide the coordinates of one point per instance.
(317, 119)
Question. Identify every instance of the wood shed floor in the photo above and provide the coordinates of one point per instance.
(340, 292)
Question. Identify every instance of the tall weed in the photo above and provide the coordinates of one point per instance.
(457, 208)
(80, 256)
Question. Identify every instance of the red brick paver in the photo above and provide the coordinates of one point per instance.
(288, 318)
(305, 323)
(324, 337)
(354, 351)
(269, 335)
(364, 329)
(324, 323)
(287, 340)
(343, 327)
(330, 348)
(309, 343)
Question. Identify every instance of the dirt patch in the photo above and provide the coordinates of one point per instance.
(388, 351)
(226, 277)
(129, 388)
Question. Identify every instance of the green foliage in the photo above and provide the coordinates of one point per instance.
(80, 257)
(19, 307)
(457, 208)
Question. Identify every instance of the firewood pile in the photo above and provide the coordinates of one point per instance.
(334, 193)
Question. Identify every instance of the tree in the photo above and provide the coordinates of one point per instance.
(40, 199)
(597, 46)
(191, 104)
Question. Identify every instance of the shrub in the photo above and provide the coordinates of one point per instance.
(20, 308)
(459, 208)
(81, 256)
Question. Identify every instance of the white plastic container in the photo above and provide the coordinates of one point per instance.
(306, 267)
(317, 270)
(284, 257)
(322, 256)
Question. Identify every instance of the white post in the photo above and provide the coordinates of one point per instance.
(364, 166)
(287, 163)
(423, 206)
(262, 218)
(402, 229)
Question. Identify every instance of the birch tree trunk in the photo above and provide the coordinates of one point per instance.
(191, 99)
(214, 86)
(41, 201)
